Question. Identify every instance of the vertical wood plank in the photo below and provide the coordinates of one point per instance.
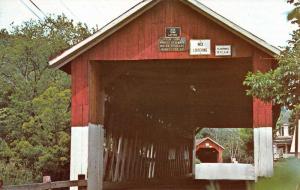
(194, 154)
(113, 158)
(132, 170)
(124, 159)
(118, 159)
(129, 160)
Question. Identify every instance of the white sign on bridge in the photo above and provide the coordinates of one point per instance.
(200, 47)
(223, 50)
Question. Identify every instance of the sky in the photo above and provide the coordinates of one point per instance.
(264, 18)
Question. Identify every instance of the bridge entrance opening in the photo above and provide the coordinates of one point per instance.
(208, 155)
(153, 109)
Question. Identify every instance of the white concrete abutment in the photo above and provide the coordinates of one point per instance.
(263, 151)
(87, 155)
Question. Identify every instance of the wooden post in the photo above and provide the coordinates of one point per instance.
(187, 160)
(81, 177)
(191, 148)
(297, 137)
(150, 161)
(106, 155)
(194, 154)
(96, 115)
(95, 157)
(154, 160)
(112, 161)
(117, 167)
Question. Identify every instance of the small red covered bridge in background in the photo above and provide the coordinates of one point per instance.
(144, 83)
(209, 151)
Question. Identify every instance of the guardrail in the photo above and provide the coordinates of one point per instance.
(81, 183)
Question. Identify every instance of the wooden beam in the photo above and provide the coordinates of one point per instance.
(96, 94)
(46, 186)
(118, 159)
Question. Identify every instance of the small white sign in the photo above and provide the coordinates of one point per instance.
(223, 50)
(199, 47)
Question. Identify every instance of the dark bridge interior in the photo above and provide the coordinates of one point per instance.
(153, 108)
(208, 155)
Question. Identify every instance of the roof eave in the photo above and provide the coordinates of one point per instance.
(142, 7)
(208, 138)
(103, 33)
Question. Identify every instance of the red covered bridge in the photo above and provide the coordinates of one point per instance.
(145, 82)
(209, 151)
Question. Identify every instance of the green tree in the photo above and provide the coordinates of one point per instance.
(294, 15)
(281, 85)
(35, 100)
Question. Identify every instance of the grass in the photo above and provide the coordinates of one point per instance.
(286, 177)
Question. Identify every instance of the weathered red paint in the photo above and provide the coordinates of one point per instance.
(80, 104)
(262, 111)
(139, 41)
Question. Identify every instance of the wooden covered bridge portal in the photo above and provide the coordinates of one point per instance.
(143, 84)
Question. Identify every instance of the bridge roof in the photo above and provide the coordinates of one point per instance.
(200, 141)
(139, 9)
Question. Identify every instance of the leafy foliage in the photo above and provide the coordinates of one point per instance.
(281, 85)
(294, 15)
(35, 100)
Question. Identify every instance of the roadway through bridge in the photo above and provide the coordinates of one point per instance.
(187, 184)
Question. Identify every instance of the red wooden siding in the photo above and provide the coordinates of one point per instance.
(139, 41)
(80, 92)
(262, 112)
